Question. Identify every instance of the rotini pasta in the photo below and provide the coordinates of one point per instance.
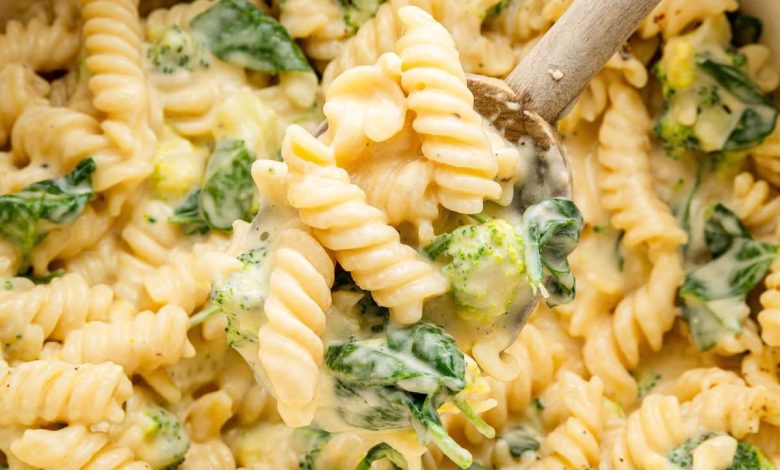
(378, 261)
(453, 138)
(291, 350)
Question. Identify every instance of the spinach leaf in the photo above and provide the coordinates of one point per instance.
(382, 451)
(551, 230)
(713, 295)
(758, 120)
(497, 9)
(420, 359)
(187, 214)
(400, 381)
(242, 34)
(520, 441)
(745, 29)
(309, 441)
(228, 192)
(26, 217)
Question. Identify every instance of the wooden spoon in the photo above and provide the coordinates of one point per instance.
(547, 81)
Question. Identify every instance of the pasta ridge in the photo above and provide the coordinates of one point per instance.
(452, 133)
(290, 345)
(356, 232)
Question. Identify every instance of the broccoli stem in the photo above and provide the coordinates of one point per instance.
(203, 315)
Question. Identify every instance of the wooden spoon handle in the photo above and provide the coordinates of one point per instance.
(559, 67)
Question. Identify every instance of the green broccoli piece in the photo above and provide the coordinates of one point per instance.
(750, 457)
(485, 266)
(165, 439)
(357, 12)
(177, 50)
(711, 105)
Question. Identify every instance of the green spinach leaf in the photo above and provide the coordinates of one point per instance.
(26, 217)
(242, 34)
(551, 230)
(357, 12)
(309, 441)
(713, 295)
(520, 441)
(745, 29)
(187, 215)
(382, 451)
(758, 120)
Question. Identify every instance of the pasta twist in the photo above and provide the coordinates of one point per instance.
(402, 188)
(70, 137)
(98, 265)
(70, 240)
(211, 455)
(148, 233)
(39, 392)
(754, 202)
(576, 443)
(522, 20)
(626, 182)
(320, 23)
(72, 448)
(769, 316)
(453, 137)
(112, 37)
(58, 307)
(186, 280)
(142, 343)
(736, 409)
(41, 46)
(206, 415)
(290, 344)
(760, 68)
(358, 233)
(375, 37)
(20, 87)
(649, 434)
(671, 17)
(767, 158)
(695, 381)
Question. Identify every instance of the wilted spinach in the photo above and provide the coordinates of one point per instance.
(758, 119)
(357, 12)
(382, 451)
(551, 230)
(713, 295)
(519, 441)
(242, 34)
(26, 217)
(228, 192)
(399, 381)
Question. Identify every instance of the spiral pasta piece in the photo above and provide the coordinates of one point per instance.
(769, 316)
(38, 392)
(142, 343)
(72, 448)
(290, 344)
(20, 87)
(356, 232)
(319, 23)
(649, 434)
(112, 37)
(70, 137)
(626, 182)
(41, 46)
(452, 133)
(671, 17)
(755, 203)
(767, 158)
(210, 455)
(148, 234)
(375, 37)
(402, 188)
(523, 20)
(576, 442)
(58, 307)
(70, 240)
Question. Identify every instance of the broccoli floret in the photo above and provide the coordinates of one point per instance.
(165, 441)
(711, 105)
(750, 457)
(485, 266)
(177, 50)
(357, 12)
